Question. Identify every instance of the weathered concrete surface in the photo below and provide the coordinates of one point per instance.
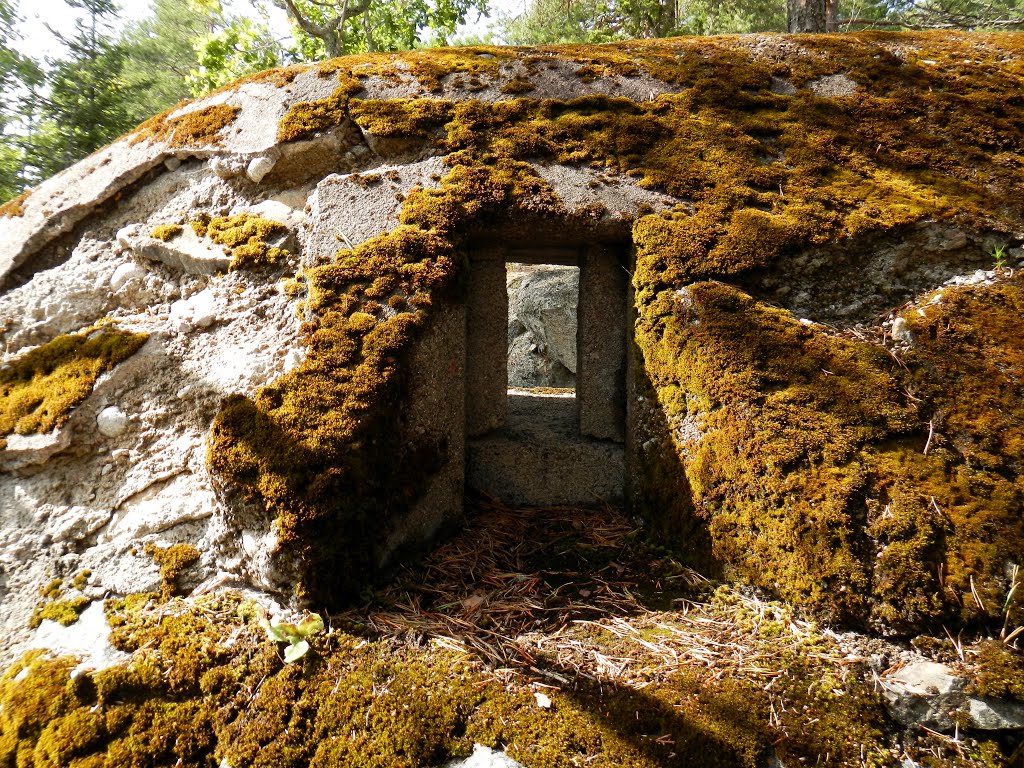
(186, 252)
(349, 209)
(603, 313)
(486, 323)
(434, 424)
(539, 457)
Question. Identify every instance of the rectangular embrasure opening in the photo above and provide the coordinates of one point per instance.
(542, 326)
(545, 374)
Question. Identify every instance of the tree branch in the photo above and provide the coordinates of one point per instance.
(305, 24)
(333, 32)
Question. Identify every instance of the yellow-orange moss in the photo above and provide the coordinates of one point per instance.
(307, 118)
(64, 612)
(809, 469)
(198, 128)
(56, 607)
(173, 560)
(166, 231)
(406, 118)
(14, 206)
(204, 685)
(245, 238)
(39, 389)
(310, 447)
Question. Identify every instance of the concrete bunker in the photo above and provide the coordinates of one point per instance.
(548, 448)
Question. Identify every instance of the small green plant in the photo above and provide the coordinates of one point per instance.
(294, 634)
(999, 256)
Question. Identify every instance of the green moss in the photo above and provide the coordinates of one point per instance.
(998, 671)
(166, 231)
(173, 560)
(198, 128)
(39, 389)
(245, 238)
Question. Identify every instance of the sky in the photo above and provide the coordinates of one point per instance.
(39, 42)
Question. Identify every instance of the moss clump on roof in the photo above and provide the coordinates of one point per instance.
(432, 68)
(402, 118)
(166, 232)
(14, 206)
(429, 67)
(245, 237)
(307, 118)
(197, 128)
(39, 389)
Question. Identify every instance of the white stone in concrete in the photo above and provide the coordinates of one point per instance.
(258, 168)
(124, 274)
(88, 638)
(484, 757)
(111, 421)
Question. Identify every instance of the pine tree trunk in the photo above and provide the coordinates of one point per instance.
(807, 15)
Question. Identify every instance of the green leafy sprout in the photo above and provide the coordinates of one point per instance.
(999, 254)
(294, 634)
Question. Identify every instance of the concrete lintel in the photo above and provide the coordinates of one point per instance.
(563, 257)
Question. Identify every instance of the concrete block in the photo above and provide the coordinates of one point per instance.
(486, 339)
(539, 458)
(601, 344)
(433, 422)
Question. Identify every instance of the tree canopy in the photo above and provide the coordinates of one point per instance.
(334, 27)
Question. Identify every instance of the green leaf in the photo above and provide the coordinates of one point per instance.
(273, 630)
(295, 651)
(310, 625)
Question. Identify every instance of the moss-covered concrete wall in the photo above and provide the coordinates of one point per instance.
(866, 468)
(796, 451)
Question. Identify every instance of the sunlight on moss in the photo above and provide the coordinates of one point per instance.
(39, 389)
